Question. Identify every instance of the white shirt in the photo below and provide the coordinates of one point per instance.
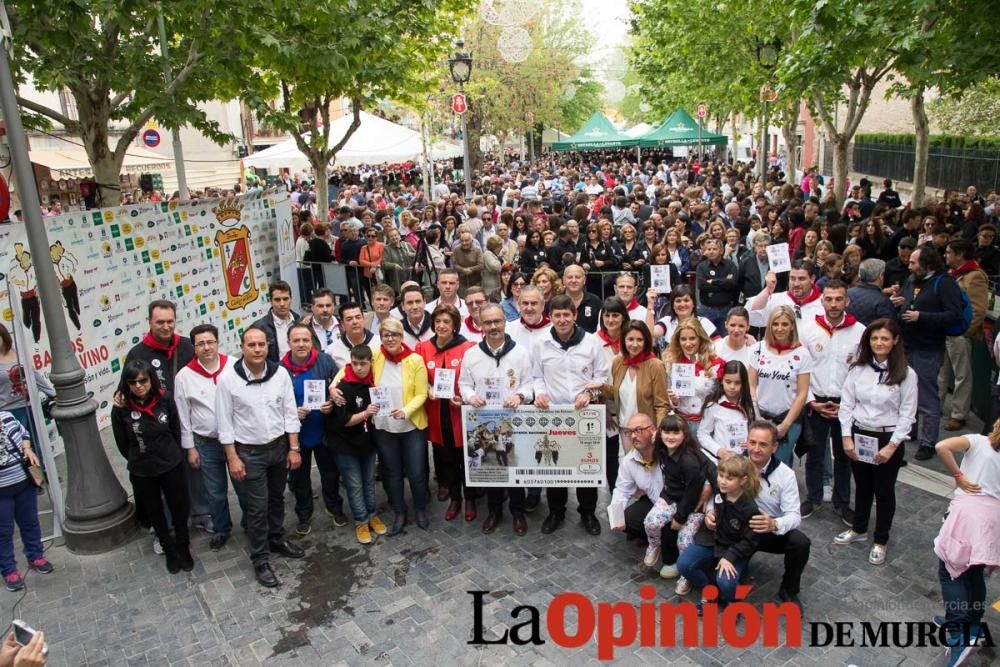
(326, 336)
(469, 334)
(779, 497)
(669, 324)
(392, 377)
(254, 413)
(526, 337)
(867, 401)
(778, 375)
(340, 348)
(705, 382)
(832, 355)
(758, 318)
(627, 401)
(281, 328)
(638, 314)
(515, 368)
(729, 354)
(981, 465)
(411, 340)
(194, 395)
(462, 308)
(562, 374)
(633, 477)
(714, 432)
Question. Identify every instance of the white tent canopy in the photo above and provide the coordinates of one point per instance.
(639, 130)
(375, 141)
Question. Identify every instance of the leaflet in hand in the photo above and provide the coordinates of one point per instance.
(865, 446)
(382, 397)
(313, 394)
(659, 278)
(682, 379)
(737, 432)
(616, 515)
(778, 258)
(494, 391)
(444, 384)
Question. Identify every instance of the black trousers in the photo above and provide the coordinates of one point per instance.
(31, 313)
(586, 498)
(876, 483)
(72, 298)
(451, 472)
(496, 495)
(264, 490)
(795, 546)
(173, 485)
(634, 527)
(611, 445)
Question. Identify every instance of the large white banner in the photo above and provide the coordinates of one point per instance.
(214, 258)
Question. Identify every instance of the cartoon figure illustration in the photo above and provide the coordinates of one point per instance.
(65, 265)
(546, 451)
(24, 279)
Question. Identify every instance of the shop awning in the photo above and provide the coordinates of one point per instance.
(70, 161)
(679, 129)
(596, 134)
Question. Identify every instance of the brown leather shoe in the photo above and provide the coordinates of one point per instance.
(470, 510)
(442, 494)
(491, 523)
(454, 507)
(953, 424)
(520, 525)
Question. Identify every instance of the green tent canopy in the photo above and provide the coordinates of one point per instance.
(679, 129)
(597, 133)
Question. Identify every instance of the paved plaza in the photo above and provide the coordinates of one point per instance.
(404, 600)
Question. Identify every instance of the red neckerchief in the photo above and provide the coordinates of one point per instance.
(718, 363)
(732, 406)
(825, 326)
(471, 326)
(813, 295)
(351, 376)
(297, 370)
(969, 266)
(545, 321)
(638, 359)
(196, 366)
(403, 354)
(154, 344)
(781, 347)
(632, 305)
(608, 341)
(145, 409)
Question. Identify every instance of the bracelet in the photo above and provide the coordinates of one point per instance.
(958, 474)
(295, 449)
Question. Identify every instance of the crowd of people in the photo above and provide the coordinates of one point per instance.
(648, 288)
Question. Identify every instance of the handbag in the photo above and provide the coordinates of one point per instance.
(34, 473)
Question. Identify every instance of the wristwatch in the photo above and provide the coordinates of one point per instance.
(295, 449)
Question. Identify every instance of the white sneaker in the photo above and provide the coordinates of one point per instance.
(157, 548)
(683, 586)
(669, 572)
(828, 494)
(877, 555)
(652, 556)
(849, 537)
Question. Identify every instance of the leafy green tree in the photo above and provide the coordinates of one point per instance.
(105, 54)
(973, 112)
(575, 111)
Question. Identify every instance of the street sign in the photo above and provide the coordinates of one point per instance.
(702, 111)
(151, 138)
(458, 103)
(767, 93)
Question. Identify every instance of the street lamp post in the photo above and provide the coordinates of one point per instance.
(767, 57)
(99, 516)
(460, 66)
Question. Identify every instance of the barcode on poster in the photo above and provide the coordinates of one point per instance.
(543, 471)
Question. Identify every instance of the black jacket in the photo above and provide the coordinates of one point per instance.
(938, 299)
(166, 368)
(531, 259)
(748, 278)
(150, 444)
(683, 479)
(989, 259)
(723, 290)
(266, 324)
(868, 303)
(896, 273)
(733, 537)
(357, 440)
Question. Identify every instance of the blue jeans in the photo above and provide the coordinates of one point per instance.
(19, 503)
(358, 473)
(300, 481)
(715, 315)
(964, 598)
(215, 481)
(927, 364)
(399, 453)
(786, 446)
(692, 564)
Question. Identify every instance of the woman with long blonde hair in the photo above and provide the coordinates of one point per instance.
(691, 345)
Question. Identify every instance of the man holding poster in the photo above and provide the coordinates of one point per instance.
(803, 296)
(497, 373)
(571, 369)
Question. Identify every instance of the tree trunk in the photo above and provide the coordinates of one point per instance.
(789, 125)
(840, 145)
(318, 163)
(922, 130)
(106, 172)
(734, 151)
(107, 165)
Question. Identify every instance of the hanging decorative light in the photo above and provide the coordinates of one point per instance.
(514, 45)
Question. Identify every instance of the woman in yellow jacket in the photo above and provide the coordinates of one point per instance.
(638, 385)
(401, 435)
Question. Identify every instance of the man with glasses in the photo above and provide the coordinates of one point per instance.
(498, 356)
(803, 296)
(638, 475)
(321, 321)
(472, 327)
(194, 394)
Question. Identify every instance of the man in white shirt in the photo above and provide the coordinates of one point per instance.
(383, 300)
(194, 394)
(625, 285)
(276, 321)
(354, 333)
(447, 284)
(778, 501)
(832, 339)
(803, 296)
(498, 356)
(417, 322)
(637, 480)
(259, 431)
(321, 320)
(570, 365)
(472, 329)
(533, 324)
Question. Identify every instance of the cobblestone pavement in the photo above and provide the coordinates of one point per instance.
(404, 600)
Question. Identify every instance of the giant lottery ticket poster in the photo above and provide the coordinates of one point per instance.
(213, 258)
(526, 446)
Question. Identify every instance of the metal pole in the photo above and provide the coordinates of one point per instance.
(466, 161)
(174, 133)
(531, 145)
(99, 516)
(426, 164)
(699, 139)
(763, 143)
